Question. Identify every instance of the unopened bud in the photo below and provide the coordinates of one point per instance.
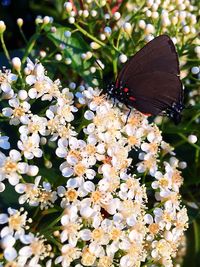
(46, 20)
(127, 27)
(68, 6)
(16, 62)
(123, 58)
(94, 45)
(192, 138)
(20, 22)
(2, 26)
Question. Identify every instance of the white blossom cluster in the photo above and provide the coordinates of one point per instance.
(113, 185)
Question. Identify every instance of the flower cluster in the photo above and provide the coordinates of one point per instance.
(113, 186)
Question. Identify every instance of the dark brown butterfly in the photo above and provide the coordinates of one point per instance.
(150, 81)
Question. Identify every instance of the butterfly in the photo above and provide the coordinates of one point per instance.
(150, 81)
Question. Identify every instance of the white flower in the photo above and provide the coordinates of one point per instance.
(36, 250)
(42, 85)
(19, 111)
(36, 195)
(6, 80)
(11, 168)
(16, 221)
(35, 124)
(29, 145)
(69, 253)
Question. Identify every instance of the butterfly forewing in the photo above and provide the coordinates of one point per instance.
(158, 55)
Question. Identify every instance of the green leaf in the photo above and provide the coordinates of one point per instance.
(75, 46)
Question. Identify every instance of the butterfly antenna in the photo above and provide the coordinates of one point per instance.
(98, 64)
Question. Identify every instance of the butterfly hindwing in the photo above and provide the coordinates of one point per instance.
(154, 92)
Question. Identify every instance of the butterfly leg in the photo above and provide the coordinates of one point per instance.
(114, 102)
(128, 115)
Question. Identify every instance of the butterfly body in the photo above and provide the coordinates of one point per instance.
(149, 81)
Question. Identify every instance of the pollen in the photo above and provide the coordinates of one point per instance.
(16, 221)
(95, 196)
(132, 140)
(154, 228)
(18, 112)
(71, 194)
(115, 234)
(10, 166)
(97, 234)
(79, 169)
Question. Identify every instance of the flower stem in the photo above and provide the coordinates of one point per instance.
(88, 34)
(196, 236)
(4, 48)
(30, 46)
(23, 36)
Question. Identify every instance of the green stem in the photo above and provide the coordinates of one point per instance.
(115, 67)
(4, 48)
(30, 46)
(185, 138)
(23, 36)
(193, 119)
(196, 236)
(88, 35)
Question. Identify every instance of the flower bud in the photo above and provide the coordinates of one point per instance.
(102, 2)
(102, 36)
(68, 61)
(182, 165)
(142, 24)
(93, 69)
(46, 20)
(117, 15)
(93, 13)
(107, 16)
(2, 26)
(67, 34)
(195, 70)
(48, 164)
(58, 57)
(33, 170)
(38, 20)
(20, 22)
(71, 20)
(107, 31)
(127, 27)
(155, 15)
(22, 94)
(148, 13)
(192, 138)
(186, 29)
(16, 62)
(149, 29)
(94, 45)
(85, 13)
(197, 49)
(88, 54)
(43, 53)
(68, 6)
(149, 3)
(53, 29)
(122, 58)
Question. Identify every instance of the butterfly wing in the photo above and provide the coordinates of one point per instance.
(154, 92)
(157, 55)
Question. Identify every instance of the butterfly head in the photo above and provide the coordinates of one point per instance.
(175, 112)
(119, 92)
